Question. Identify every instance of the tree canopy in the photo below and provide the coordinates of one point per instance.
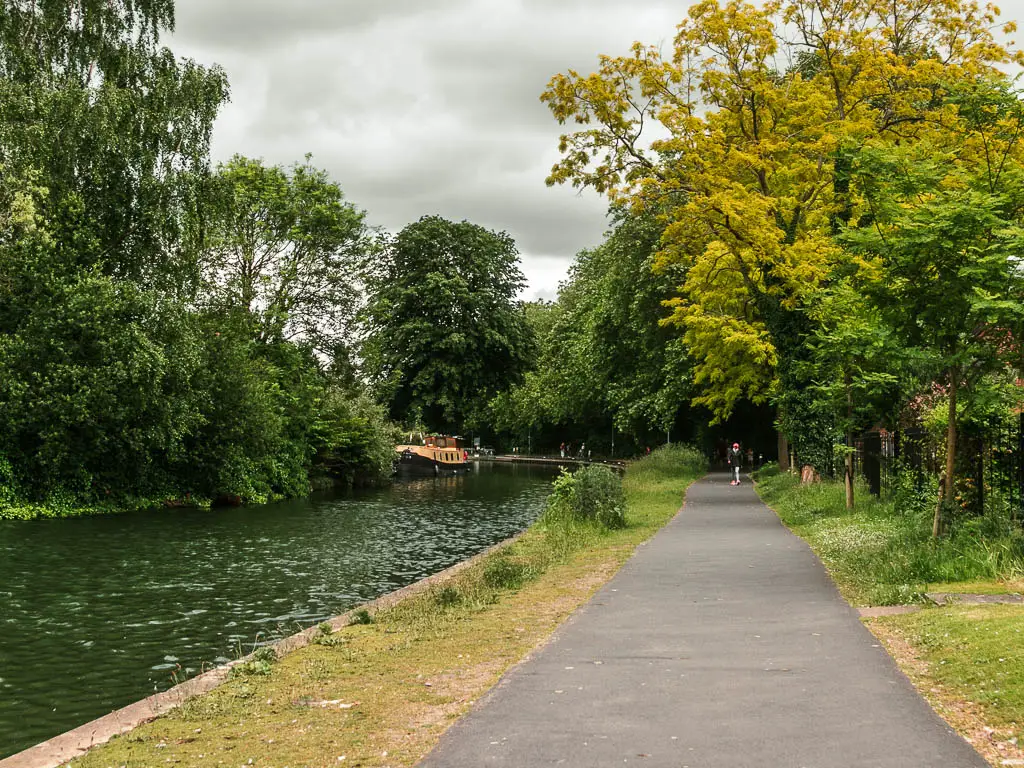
(284, 246)
(763, 112)
(445, 330)
(606, 360)
(138, 362)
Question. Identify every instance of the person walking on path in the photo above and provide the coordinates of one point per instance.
(735, 458)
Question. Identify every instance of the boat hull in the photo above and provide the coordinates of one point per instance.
(412, 462)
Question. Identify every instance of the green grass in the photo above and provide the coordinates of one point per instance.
(967, 660)
(381, 693)
(882, 553)
(976, 653)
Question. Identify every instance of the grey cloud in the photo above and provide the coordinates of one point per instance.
(420, 107)
(257, 24)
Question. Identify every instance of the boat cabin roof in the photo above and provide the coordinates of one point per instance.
(441, 441)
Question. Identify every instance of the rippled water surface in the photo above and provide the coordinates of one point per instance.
(98, 612)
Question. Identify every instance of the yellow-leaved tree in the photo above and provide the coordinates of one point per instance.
(759, 112)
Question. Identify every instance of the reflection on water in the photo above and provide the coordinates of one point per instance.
(98, 612)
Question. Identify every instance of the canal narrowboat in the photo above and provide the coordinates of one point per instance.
(439, 454)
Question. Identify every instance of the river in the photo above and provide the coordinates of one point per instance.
(98, 612)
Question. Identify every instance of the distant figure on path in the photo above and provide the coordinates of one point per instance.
(561, 450)
(735, 458)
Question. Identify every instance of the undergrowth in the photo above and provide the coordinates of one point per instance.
(882, 552)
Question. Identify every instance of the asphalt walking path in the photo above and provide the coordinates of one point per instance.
(721, 643)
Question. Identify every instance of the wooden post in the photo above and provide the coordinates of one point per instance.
(947, 488)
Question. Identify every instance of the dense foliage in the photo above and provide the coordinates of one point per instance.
(445, 332)
(592, 494)
(838, 187)
(607, 365)
(167, 332)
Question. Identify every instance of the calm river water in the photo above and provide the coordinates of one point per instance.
(98, 612)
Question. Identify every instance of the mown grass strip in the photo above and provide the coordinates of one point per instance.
(967, 660)
(381, 693)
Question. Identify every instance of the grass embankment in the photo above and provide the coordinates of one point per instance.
(381, 693)
(967, 660)
(882, 553)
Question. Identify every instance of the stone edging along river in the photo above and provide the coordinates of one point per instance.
(57, 751)
(99, 612)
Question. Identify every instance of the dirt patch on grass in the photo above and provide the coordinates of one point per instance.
(965, 717)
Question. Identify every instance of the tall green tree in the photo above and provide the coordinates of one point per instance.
(103, 146)
(142, 356)
(285, 246)
(946, 243)
(445, 332)
(607, 359)
(113, 129)
(855, 365)
(751, 165)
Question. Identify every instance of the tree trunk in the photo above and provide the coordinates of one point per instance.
(947, 491)
(849, 441)
(783, 453)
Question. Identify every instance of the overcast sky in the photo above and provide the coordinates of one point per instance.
(421, 107)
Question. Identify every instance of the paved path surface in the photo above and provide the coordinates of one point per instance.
(721, 644)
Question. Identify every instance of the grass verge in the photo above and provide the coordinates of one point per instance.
(381, 692)
(882, 553)
(967, 660)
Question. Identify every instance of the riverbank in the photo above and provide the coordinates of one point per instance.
(61, 505)
(967, 660)
(381, 693)
(102, 610)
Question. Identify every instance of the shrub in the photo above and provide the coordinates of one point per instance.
(326, 636)
(259, 663)
(592, 494)
(506, 573)
(361, 616)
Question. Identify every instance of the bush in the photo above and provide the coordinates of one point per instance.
(361, 616)
(506, 573)
(670, 461)
(260, 662)
(592, 494)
